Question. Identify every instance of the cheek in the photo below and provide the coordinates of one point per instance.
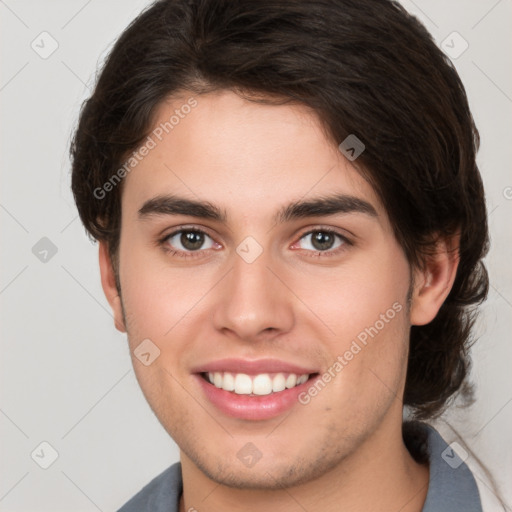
(157, 298)
(364, 306)
(354, 297)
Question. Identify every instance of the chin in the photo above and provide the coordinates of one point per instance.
(263, 475)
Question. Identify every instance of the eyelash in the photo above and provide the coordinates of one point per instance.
(163, 242)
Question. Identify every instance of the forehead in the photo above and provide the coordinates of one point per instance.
(246, 156)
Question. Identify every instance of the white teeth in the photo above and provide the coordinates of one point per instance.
(262, 384)
(302, 379)
(229, 382)
(243, 384)
(291, 380)
(279, 382)
(217, 379)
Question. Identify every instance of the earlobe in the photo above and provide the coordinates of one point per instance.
(432, 283)
(108, 283)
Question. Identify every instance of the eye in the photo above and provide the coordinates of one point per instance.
(188, 240)
(322, 240)
(185, 242)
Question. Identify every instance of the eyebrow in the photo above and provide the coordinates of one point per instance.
(319, 206)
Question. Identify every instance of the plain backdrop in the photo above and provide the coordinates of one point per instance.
(66, 375)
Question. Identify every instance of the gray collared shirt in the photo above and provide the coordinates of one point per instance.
(451, 488)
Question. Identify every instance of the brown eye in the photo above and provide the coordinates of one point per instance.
(192, 240)
(322, 240)
(189, 240)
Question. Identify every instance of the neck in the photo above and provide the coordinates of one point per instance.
(380, 475)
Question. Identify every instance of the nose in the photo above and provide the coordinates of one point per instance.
(253, 301)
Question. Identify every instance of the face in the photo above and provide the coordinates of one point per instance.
(277, 330)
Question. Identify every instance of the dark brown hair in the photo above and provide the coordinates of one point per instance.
(366, 67)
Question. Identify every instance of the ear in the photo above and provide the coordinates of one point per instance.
(108, 282)
(433, 282)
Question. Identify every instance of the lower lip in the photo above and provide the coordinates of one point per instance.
(249, 407)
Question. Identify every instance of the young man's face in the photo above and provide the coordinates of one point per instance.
(260, 295)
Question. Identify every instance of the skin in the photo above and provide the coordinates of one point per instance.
(291, 303)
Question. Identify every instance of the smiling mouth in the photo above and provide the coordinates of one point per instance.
(255, 385)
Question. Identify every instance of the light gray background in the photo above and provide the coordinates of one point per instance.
(66, 375)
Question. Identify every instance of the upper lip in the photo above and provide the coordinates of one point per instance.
(253, 367)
